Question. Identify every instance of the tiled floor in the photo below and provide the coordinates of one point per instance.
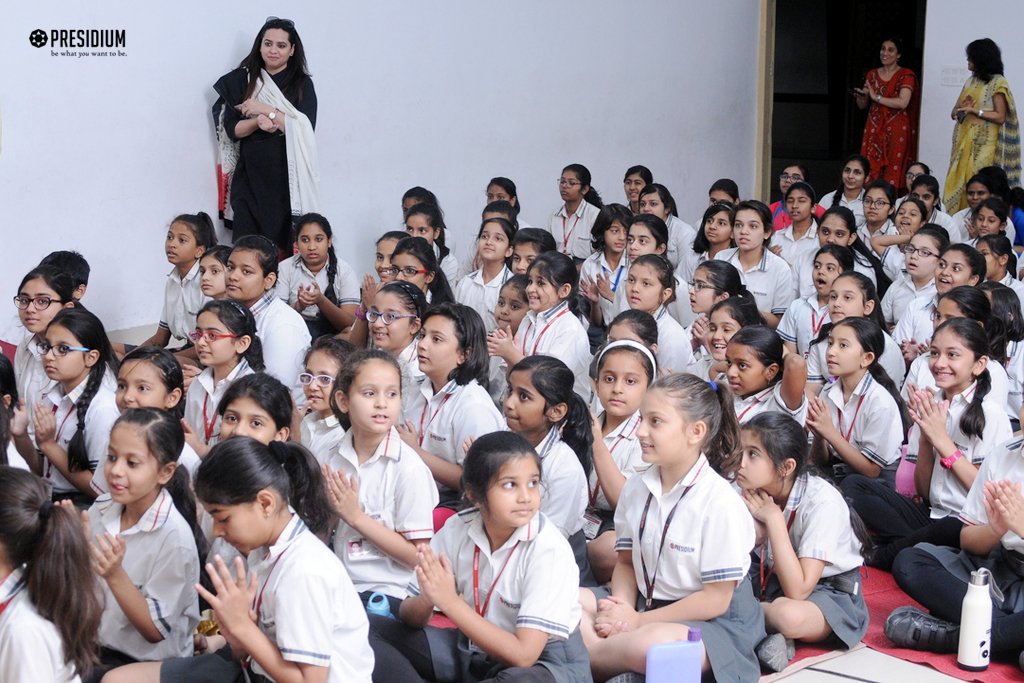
(868, 666)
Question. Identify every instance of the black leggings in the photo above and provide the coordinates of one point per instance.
(402, 655)
(922, 577)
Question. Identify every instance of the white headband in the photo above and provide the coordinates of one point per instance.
(630, 344)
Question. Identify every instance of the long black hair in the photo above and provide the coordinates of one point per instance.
(1006, 324)
(420, 249)
(332, 258)
(972, 335)
(294, 74)
(471, 336)
(872, 338)
(167, 365)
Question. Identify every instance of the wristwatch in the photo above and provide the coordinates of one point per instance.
(980, 112)
(949, 461)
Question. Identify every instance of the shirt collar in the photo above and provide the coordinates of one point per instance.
(12, 585)
(796, 495)
(192, 273)
(549, 441)
(578, 212)
(151, 520)
(320, 424)
(427, 389)
(626, 429)
(205, 377)
(835, 392)
(963, 398)
(549, 314)
(523, 534)
(291, 531)
(389, 447)
(263, 303)
(652, 478)
(739, 266)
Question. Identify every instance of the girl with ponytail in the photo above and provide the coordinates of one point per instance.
(72, 424)
(543, 407)
(957, 426)
(852, 420)
(227, 344)
(149, 517)
(268, 501)
(50, 612)
(322, 288)
(690, 437)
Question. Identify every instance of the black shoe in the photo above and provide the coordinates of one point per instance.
(912, 628)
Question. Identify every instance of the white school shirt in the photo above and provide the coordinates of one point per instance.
(680, 239)
(870, 421)
(563, 484)
(624, 447)
(31, 648)
(443, 421)
(770, 281)
(409, 363)
(900, 295)
(945, 492)
(531, 581)
(768, 400)
(482, 296)
(14, 458)
(557, 332)
(204, 396)
(183, 297)
(293, 273)
(887, 228)
(320, 435)
(819, 527)
(802, 322)
(894, 263)
(891, 361)
(675, 354)
(855, 205)
(803, 273)
(596, 264)
(161, 559)
(306, 605)
(1005, 462)
(285, 338)
(1015, 378)
(917, 323)
(795, 249)
(688, 264)
(572, 232)
(395, 489)
(708, 540)
(449, 265)
(30, 378)
(99, 420)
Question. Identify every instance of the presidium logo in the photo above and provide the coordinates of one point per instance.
(80, 42)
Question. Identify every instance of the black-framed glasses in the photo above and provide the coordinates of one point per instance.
(568, 183)
(795, 177)
(386, 317)
(700, 285)
(40, 303)
(59, 350)
(409, 271)
(324, 381)
(910, 250)
(877, 202)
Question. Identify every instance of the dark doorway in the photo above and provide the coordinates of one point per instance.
(822, 50)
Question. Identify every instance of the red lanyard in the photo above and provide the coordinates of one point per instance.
(650, 580)
(765, 577)
(619, 439)
(423, 416)
(853, 420)
(258, 602)
(482, 611)
(567, 235)
(757, 400)
(816, 322)
(208, 425)
(540, 336)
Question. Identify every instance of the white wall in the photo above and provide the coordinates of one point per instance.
(100, 153)
(949, 26)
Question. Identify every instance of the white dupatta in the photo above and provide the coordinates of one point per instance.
(303, 169)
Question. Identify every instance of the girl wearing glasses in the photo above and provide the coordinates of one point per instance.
(319, 429)
(43, 293)
(73, 431)
(414, 261)
(227, 344)
(921, 258)
(879, 199)
(572, 223)
(394, 322)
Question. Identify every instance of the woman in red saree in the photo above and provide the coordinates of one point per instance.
(890, 134)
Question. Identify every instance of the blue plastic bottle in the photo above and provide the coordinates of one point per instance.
(677, 662)
(378, 604)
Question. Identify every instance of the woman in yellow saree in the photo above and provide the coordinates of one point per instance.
(987, 131)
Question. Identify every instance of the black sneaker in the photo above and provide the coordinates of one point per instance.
(912, 628)
(775, 652)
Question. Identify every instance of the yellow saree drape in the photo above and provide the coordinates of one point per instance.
(977, 143)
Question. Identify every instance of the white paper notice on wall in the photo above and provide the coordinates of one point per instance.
(954, 76)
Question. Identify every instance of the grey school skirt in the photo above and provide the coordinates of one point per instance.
(729, 639)
(841, 602)
(453, 660)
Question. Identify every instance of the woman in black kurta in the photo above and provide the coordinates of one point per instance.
(259, 187)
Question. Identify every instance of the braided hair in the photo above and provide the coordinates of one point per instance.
(332, 258)
(88, 330)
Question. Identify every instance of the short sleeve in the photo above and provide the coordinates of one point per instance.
(881, 432)
(787, 329)
(304, 612)
(815, 369)
(346, 285)
(784, 293)
(973, 511)
(414, 508)
(819, 536)
(624, 523)
(30, 651)
(720, 560)
(170, 591)
(550, 590)
(283, 288)
(100, 420)
(476, 416)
